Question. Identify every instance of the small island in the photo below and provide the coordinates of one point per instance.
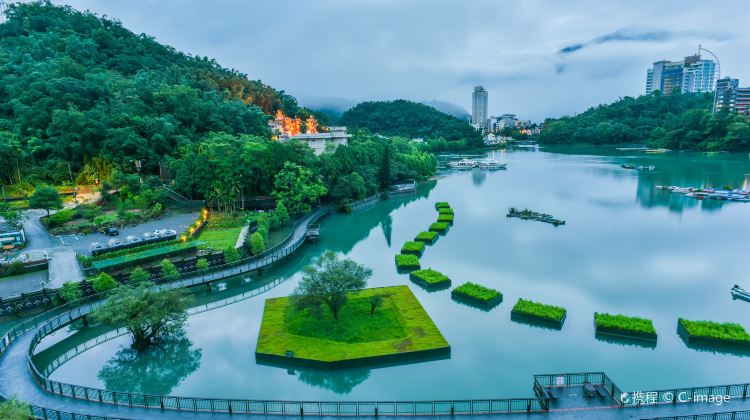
(407, 262)
(477, 295)
(527, 214)
(709, 333)
(439, 227)
(428, 237)
(624, 326)
(534, 312)
(413, 247)
(430, 279)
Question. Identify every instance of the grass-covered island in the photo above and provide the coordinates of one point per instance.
(477, 295)
(447, 218)
(430, 279)
(624, 326)
(445, 210)
(407, 262)
(526, 310)
(713, 333)
(413, 247)
(440, 227)
(427, 237)
(442, 205)
(399, 329)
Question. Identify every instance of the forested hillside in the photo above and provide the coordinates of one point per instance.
(410, 119)
(683, 122)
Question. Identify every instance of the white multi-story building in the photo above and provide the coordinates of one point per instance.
(692, 74)
(479, 107)
(328, 141)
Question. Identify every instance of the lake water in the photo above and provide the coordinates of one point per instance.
(626, 248)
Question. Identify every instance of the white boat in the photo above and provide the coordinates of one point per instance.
(464, 164)
(491, 164)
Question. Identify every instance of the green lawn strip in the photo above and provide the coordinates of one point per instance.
(220, 238)
(440, 227)
(445, 210)
(149, 254)
(399, 326)
(709, 332)
(407, 262)
(477, 294)
(427, 237)
(442, 205)
(624, 325)
(539, 311)
(413, 247)
(448, 218)
(430, 278)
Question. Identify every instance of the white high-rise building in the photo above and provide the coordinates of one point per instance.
(479, 107)
(690, 75)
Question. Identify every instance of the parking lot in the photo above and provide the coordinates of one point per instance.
(82, 244)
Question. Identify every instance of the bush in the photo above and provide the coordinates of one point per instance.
(429, 277)
(407, 262)
(539, 310)
(442, 205)
(257, 243)
(139, 275)
(103, 282)
(12, 269)
(448, 218)
(168, 270)
(61, 217)
(13, 409)
(715, 331)
(476, 292)
(413, 247)
(625, 324)
(70, 291)
(202, 264)
(445, 210)
(427, 237)
(281, 213)
(231, 254)
(439, 227)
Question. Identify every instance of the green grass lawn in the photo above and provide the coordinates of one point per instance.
(399, 326)
(220, 238)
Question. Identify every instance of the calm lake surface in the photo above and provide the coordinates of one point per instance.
(626, 248)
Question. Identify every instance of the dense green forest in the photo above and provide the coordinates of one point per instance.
(411, 119)
(80, 90)
(679, 122)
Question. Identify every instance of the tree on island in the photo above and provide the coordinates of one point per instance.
(45, 197)
(328, 282)
(148, 314)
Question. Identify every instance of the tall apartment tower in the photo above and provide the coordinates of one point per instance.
(732, 97)
(479, 107)
(690, 75)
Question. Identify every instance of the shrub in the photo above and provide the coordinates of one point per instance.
(623, 323)
(281, 212)
(231, 254)
(139, 275)
(439, 227)
(70, 291)
(413, 247)
(202, 264)
(407, 262)
(445, 210)
(13, 409)
(168, 270)
(448, 218)
(539, 310)
(427, 237)
(430, 277)
(61, 217)
(478, 293)
(103, 282)
(715, 331)
(442, 205)
(257, 243)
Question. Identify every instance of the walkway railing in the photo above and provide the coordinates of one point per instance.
(727, 415)
(574, 379)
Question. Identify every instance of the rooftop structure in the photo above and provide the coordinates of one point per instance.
(11, 236)
(325, 141)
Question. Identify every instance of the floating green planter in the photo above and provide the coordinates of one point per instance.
(447, 218)
(624, 326)
(427, 237)
(440, 227)
(526, 310)
(430, 279)
(407, 262)
(413, 247)
(445, 210)
(477, 295)
(713, 333)
(442, 205)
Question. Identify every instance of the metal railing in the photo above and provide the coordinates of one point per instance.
(694, 394)
(726, 415)
(541, 382)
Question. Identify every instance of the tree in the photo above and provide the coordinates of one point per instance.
(202, 264)
(168, 270)
(13, 409)
(257, 243)
(328, 282)
(148, 314)
(70, 291)
(376, 301)
(385, 168)
(138, 276)
(298, 188)
(351, 186)
(10, 215)
(231, 254)
(45, 197)
(103, 282)
(281, 213)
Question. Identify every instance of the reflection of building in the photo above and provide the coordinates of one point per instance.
(689, 75)
(731, 97)
(479, 107)
(11, 236)
(321, 142)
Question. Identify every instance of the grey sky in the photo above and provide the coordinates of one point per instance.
(536, 58)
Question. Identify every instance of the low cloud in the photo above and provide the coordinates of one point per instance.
(636, 34)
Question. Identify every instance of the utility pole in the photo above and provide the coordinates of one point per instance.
(718, 67)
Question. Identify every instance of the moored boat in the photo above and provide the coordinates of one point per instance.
(491, 164)
(464, 164)
(740, 293)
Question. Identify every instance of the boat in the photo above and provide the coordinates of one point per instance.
(657, 150)
(491, 164)
(464, 164)
(740, 293)
(639, 167)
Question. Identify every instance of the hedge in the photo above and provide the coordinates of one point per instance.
(407, 262)
(624, 325)
(426, 237)
(440, 227)
(539, 311)
(430, 278)
(477, 294)
(413, 247)
(149, 254)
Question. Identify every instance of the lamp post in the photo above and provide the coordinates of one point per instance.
(718, 67)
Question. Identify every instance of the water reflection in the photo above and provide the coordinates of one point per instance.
(478, 177)
(340, 382)
(156, 370)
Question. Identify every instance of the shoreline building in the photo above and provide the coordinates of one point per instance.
(731, 97)
(320, 139)
(690, 75)
(479, 108)
(326, 141)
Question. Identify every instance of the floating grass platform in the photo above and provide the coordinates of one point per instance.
(413, 247)
(447, 218)
(622, 326)
(477, 295)
(534, 312)
(400, 330)
(442, 205)
(445, 210)
(407, 262)
(440, 227)
(430, 279)
(709, 333)
(428, 237)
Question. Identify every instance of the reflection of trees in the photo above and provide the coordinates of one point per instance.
(339, 381)
(387, 226)
(155, 370)
(478, 177)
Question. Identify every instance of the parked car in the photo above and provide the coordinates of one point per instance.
(111, 231)
(96, 246)
(114, 242)
(168, 232)
(131, 239)
(148, 236)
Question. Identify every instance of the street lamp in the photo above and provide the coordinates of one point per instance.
(718, 67)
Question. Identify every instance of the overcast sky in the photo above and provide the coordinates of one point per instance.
(537, 59)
